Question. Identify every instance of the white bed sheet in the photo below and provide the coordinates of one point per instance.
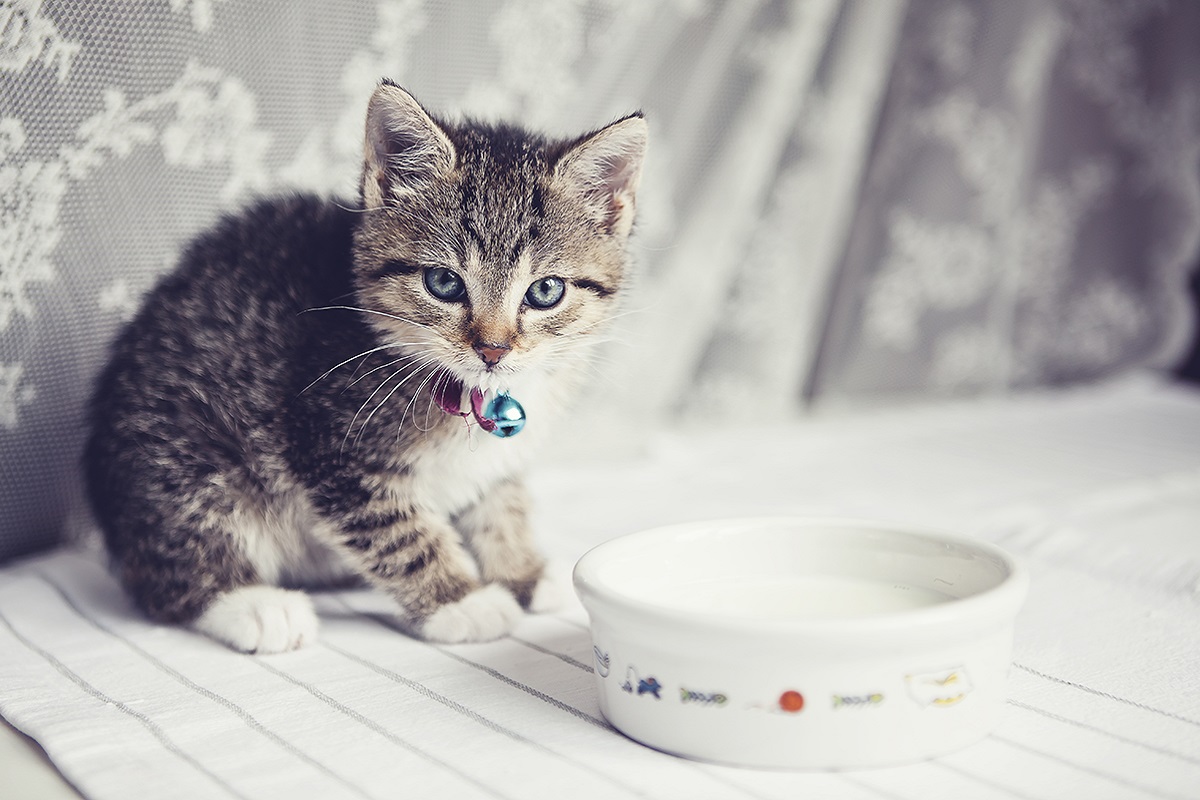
(1099, 490)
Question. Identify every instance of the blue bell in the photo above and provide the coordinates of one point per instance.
(506, 414)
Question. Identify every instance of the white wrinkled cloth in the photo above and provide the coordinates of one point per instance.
(1099, 490)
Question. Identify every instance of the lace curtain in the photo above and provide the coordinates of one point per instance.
(845, 199)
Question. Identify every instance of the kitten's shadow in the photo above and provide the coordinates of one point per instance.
(361, 604)
(525, 659)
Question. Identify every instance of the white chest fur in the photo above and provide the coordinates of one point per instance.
(449, 478)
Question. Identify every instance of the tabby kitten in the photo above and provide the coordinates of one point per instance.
(298, 403)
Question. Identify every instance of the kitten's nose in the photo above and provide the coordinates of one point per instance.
(492, 353)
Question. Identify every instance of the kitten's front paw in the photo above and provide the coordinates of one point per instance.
(548, 595)
(260, 619)
(486, 613)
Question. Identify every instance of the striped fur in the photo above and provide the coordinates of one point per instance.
(268, 419)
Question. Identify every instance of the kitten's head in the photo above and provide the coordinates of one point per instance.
(495, 251)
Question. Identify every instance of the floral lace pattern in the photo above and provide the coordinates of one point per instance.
(843, 200)
(1005, 238)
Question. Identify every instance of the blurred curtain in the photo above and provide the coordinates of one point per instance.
(845, 200)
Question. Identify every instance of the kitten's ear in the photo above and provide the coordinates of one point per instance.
(604, 169)
(405, 147)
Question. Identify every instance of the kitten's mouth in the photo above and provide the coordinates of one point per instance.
(498, 413)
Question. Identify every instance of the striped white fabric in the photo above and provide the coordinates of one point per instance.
(1098, 490)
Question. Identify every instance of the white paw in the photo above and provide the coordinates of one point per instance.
(486, 613)
(548, 596)
(260, 619)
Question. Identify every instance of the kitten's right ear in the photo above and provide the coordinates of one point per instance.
(405, 148)
(604, 169)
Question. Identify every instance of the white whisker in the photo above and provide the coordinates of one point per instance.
(354, 210)
(441, 379)
(409, 357)
(332, 369)
(415, 370)
(368, 311)
(350, 427)
(416, 392)
(413, 399)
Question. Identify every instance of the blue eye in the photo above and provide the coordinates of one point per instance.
(545, 292)
(445, 284)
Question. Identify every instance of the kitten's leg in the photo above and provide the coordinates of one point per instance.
(203, 578)
(260, 619)
(417, 558)
(497, 531)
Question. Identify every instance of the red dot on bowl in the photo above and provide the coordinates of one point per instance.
(791, 701)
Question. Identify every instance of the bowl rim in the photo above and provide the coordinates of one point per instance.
(998, 604)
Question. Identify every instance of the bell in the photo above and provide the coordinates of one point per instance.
(505, 414)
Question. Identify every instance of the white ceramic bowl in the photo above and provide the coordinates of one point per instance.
(801, 643)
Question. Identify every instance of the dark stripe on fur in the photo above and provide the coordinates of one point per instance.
(372, 522)
(593, 286)
(393, 546)
(391, 268)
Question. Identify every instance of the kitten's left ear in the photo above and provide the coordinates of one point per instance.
(405, 148)
(604, 169)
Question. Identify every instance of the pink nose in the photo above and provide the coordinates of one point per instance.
(491, 353)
